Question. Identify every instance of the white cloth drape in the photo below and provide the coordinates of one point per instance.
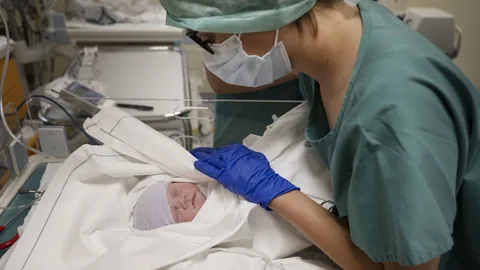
(85, 219)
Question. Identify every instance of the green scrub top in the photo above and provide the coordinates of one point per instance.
(404, 153)
(236, 120)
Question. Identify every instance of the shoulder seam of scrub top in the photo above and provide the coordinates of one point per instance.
(357, 72)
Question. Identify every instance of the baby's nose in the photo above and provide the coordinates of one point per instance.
(185, 202)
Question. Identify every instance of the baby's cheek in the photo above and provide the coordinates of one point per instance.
(187, 215)
(174, 215)
(191, 215)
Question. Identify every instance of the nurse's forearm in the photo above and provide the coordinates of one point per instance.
(323, 229)
(221, 87)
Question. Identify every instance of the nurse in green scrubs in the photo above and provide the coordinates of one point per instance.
(395, 121)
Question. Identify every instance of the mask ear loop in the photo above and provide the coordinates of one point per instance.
(276, 37)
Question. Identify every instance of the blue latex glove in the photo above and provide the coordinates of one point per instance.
(244, 172)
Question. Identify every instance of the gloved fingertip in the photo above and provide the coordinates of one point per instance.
(198, 165)
(200, 156)
(216, 161)
(204, 150)
(206, 169)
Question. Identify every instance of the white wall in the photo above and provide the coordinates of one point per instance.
(467, 16)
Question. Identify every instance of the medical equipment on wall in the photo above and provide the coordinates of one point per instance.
(32, 27)
(82, 97)
(437, 26)
(56, 31)
(73, 96)
(16, 155)
(13, 156)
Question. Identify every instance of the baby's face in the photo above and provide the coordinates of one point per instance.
(185, 201)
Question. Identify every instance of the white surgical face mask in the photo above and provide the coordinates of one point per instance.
(234, 66)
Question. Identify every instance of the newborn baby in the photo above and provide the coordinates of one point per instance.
(164, 204)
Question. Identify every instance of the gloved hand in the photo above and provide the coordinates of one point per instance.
(244, 172)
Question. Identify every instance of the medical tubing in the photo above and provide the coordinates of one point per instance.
(2, 85)
(92, 140)
(46, 8)
(24, 16)
(33, 202)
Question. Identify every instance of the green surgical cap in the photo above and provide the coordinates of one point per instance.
(234, 16)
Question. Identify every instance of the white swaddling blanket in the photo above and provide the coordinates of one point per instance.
(88, 225)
